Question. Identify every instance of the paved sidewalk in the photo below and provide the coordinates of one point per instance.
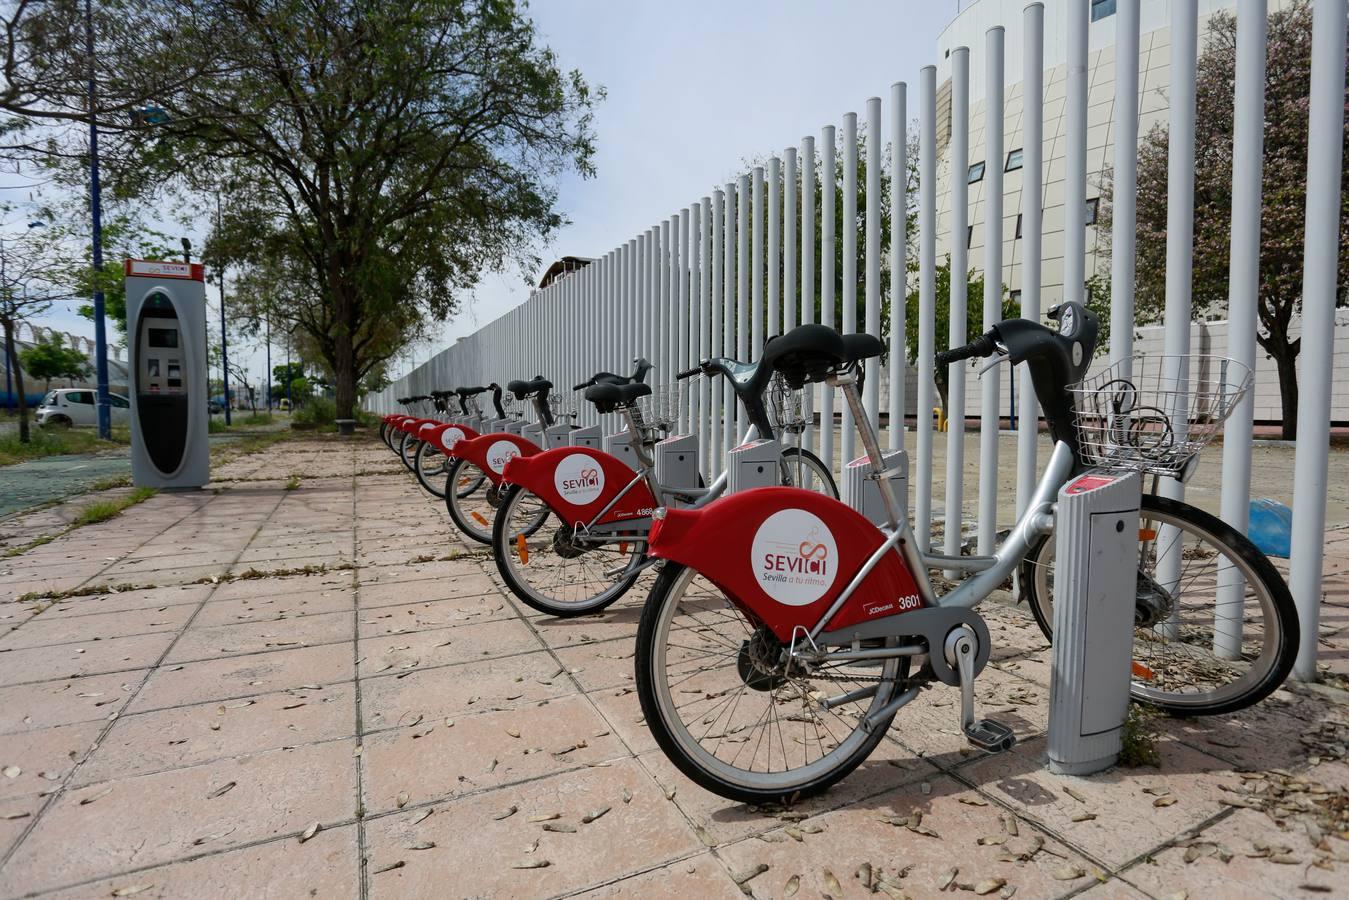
(323, 692)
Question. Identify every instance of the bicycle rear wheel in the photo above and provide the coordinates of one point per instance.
(727, 713)
(471, 499)
(554, 568)
(407, 451)
(803, 469)
(1180, 664)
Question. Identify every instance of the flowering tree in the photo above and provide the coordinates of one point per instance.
(1287, 90)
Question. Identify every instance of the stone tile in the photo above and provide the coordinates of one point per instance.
(16, 814)
(45, 756)
(42, 631)
(390, 592)
(280, 605)
(623, 711)
(600, 666)
(860, 834)
(725, 820)
(699, 876)
(441, 646)
(612, 624)
(93, 658)
(191, 735)
(432, 760)
(1242, 876)
(243, 676)
(508, 682)
(387, 620)
(1020, 778)
(65, 701)
(474, 852)
(1258, 737)
(150, 820)
(327, 866)
(272, 587)
(151, 598)
(212, 641)
(456, 574)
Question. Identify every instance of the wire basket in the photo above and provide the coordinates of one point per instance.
(1154, 413)
(786, 408)
(660, 410)
(562, 406)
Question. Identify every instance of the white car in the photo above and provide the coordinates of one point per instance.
(75, 406)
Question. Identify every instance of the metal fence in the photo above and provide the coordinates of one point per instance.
(734, 268)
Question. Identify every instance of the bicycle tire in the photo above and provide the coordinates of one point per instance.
(1273, 595)
(430, 476)
(465, 519)
(813, 462)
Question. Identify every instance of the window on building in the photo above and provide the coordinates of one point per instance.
(1018, 225)
(1093, 206)
(1013, 160)
(1015, 297)
(969, 236)
(976, 173)
(1100, 9)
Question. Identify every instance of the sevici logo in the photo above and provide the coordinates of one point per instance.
(579, 479)
(794, 557)
(501, 453)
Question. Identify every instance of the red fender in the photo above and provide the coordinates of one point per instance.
(578, 482)
(783, 555)
(410, 424)
(444, 436)
(491, 452)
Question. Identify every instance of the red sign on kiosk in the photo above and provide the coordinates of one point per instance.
(155, 268)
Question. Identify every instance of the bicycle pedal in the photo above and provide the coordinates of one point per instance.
(990, 735)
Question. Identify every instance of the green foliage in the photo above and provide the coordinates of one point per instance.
(50, 358)
(1138, 739)
(317, 411)
(45, 442)
(103, 510)
(974, 309)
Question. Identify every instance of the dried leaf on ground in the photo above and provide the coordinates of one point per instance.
(545, 817)
(309, 832)
(594, 814)
(947, 877)
(754, 871)
(222, 790)
(793, 885)
(389, 868)
(1068, 873)
(989, 885)
(131, 890)
(507, 813)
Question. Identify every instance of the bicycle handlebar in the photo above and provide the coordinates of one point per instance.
(983, 345)
(689, 373)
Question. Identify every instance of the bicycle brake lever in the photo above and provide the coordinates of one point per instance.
(996, 360)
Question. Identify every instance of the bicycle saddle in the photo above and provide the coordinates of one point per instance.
(810, 353)
(608, 397)
(523, 389)
(862, 346)
(470, 391)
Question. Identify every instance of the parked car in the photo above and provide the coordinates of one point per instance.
(75, 406)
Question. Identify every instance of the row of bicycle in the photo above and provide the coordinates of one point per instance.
(783, 629)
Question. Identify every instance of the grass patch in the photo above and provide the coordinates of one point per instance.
(1138, 740)
(292, 482)
(216, 425)
(46, 442)
(107, 484)
(103, 510)
(261, 418)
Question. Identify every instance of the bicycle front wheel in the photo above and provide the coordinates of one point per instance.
(731, 716)
(1216, 631)
(407, 451)
(431, 465)
(471, 500)
(555, 567)
(803, 469)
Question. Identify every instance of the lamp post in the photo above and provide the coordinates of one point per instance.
(268, 372)
(96, 215)
(224, 341)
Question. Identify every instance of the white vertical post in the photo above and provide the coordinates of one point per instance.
(703, 401)
(639, 298)
(662, 357)
(652, 307)
(1242, 309)
(789, 187)
(717, 446)
(1320, 262)
(872, 242)
(1125, 212)
(742, 317)
(1032, 188)
(828, 247)
(693, 313)
(682, 324)
(847, 436)
(631, 306)
(808, 271)
(774, 245)
(990, 393)
(756, 265)
(955, 413)
(1075, 160)
(729, 317)
(1179, 266)
(899, 259)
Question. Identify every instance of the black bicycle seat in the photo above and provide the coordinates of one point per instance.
(862, 346)
(523, 389)
(808, 353)
(470, 391)
(608, 397)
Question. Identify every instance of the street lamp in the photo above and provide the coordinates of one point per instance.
(96, 215)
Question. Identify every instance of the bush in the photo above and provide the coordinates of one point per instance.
(317, 411)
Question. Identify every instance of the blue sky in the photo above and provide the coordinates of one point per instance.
(694, 88)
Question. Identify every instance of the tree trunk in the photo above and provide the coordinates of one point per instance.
(18, 381)
(1286, 361)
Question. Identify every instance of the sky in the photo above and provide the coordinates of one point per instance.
(694, 89)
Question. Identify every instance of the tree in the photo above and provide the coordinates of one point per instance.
(1282, 231)
(380, 156)
(25, 292)
(50, 358)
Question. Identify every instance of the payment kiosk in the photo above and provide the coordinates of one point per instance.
(166, 336)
